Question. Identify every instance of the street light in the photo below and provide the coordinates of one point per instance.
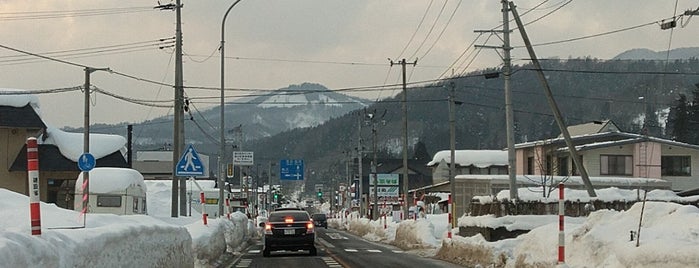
(222, 149)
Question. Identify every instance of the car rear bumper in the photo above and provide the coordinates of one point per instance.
(289, 242)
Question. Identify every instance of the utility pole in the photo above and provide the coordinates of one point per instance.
(86, 140)
(405, 134)
(360, 152)
(552, 103)
(452, 148)
(178, 124)
(509, 115)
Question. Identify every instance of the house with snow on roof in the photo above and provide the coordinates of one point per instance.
(606, 151)
(58, 150)
(468, 162)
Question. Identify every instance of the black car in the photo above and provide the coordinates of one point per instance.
(289, 230)
(320, 220)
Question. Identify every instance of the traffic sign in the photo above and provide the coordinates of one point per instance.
(190, 164)
(291, 169)
(243, 158)
(86, 162)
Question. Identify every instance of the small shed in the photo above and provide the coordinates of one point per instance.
(120, 191)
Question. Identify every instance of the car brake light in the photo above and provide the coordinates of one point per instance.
(309, 228)
(289, 220)
(268, 228)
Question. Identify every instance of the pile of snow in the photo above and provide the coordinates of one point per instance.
(477, 158)
(108, 180)
(71, 144)
(107, 240)
(669, 235)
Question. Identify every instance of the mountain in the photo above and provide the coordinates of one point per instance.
(647, 54)
(297, 106)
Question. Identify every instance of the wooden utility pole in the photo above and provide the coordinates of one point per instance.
(509, 114)
(405, 134)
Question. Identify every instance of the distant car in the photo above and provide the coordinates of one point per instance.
(289, 230)
(320, 219)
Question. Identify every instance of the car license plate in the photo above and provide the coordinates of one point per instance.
(289, 232)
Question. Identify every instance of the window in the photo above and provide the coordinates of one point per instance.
(111, 201)
(676, 165)
(549, 165)
(530, 166)
(562, 166)
(616, 165)
(574, 169)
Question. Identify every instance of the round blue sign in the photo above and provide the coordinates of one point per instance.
(86, 162)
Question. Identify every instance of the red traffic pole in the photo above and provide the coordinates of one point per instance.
(561, 232)
(203, 207)
(33, 177)
(451, 220)
(228, 208)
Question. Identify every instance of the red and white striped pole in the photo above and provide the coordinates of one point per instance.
(228, 208)
(384, 213)
(33, 177)
(451, 220)
(561, 232)
(203, 207)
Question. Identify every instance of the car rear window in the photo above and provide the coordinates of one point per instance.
(319, 216)
(296, 215)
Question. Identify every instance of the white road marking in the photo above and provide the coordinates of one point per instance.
(351, 250)
(325, 243)
(244, 263)
(398, 251)
(374, 250)
(336, 236)
(254, 251)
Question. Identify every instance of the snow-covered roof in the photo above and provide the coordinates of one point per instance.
(477, 158)
(109, 180)
(18, 98)
(71, 144)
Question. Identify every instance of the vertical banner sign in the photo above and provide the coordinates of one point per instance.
(33, 176)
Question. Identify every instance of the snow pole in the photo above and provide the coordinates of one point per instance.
(451, 220)
(228, 208)
(561, 232)
(33, 177)
(202, 199)
(203, 207)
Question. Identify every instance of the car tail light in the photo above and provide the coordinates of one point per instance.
(310, 228)
(268, 228)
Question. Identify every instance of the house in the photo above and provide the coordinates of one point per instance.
(58, 150)
(605, 151)
(468, 162)
(157, 165)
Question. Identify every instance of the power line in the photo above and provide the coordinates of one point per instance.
(416, 29)
(439, 15)
(53, 14)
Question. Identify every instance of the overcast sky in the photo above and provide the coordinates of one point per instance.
(271, 44)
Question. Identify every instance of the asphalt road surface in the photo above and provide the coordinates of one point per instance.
(335, 249)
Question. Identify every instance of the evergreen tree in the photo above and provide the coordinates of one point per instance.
(421, 152)
(693, 120)
(677, 121)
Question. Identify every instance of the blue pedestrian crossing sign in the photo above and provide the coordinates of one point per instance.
(190, 164)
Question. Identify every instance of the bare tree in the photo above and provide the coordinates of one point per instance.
(546, 161)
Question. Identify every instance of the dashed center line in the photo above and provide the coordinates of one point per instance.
(244, 263)
(351, 250)
(254, 251)
(374, 250)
